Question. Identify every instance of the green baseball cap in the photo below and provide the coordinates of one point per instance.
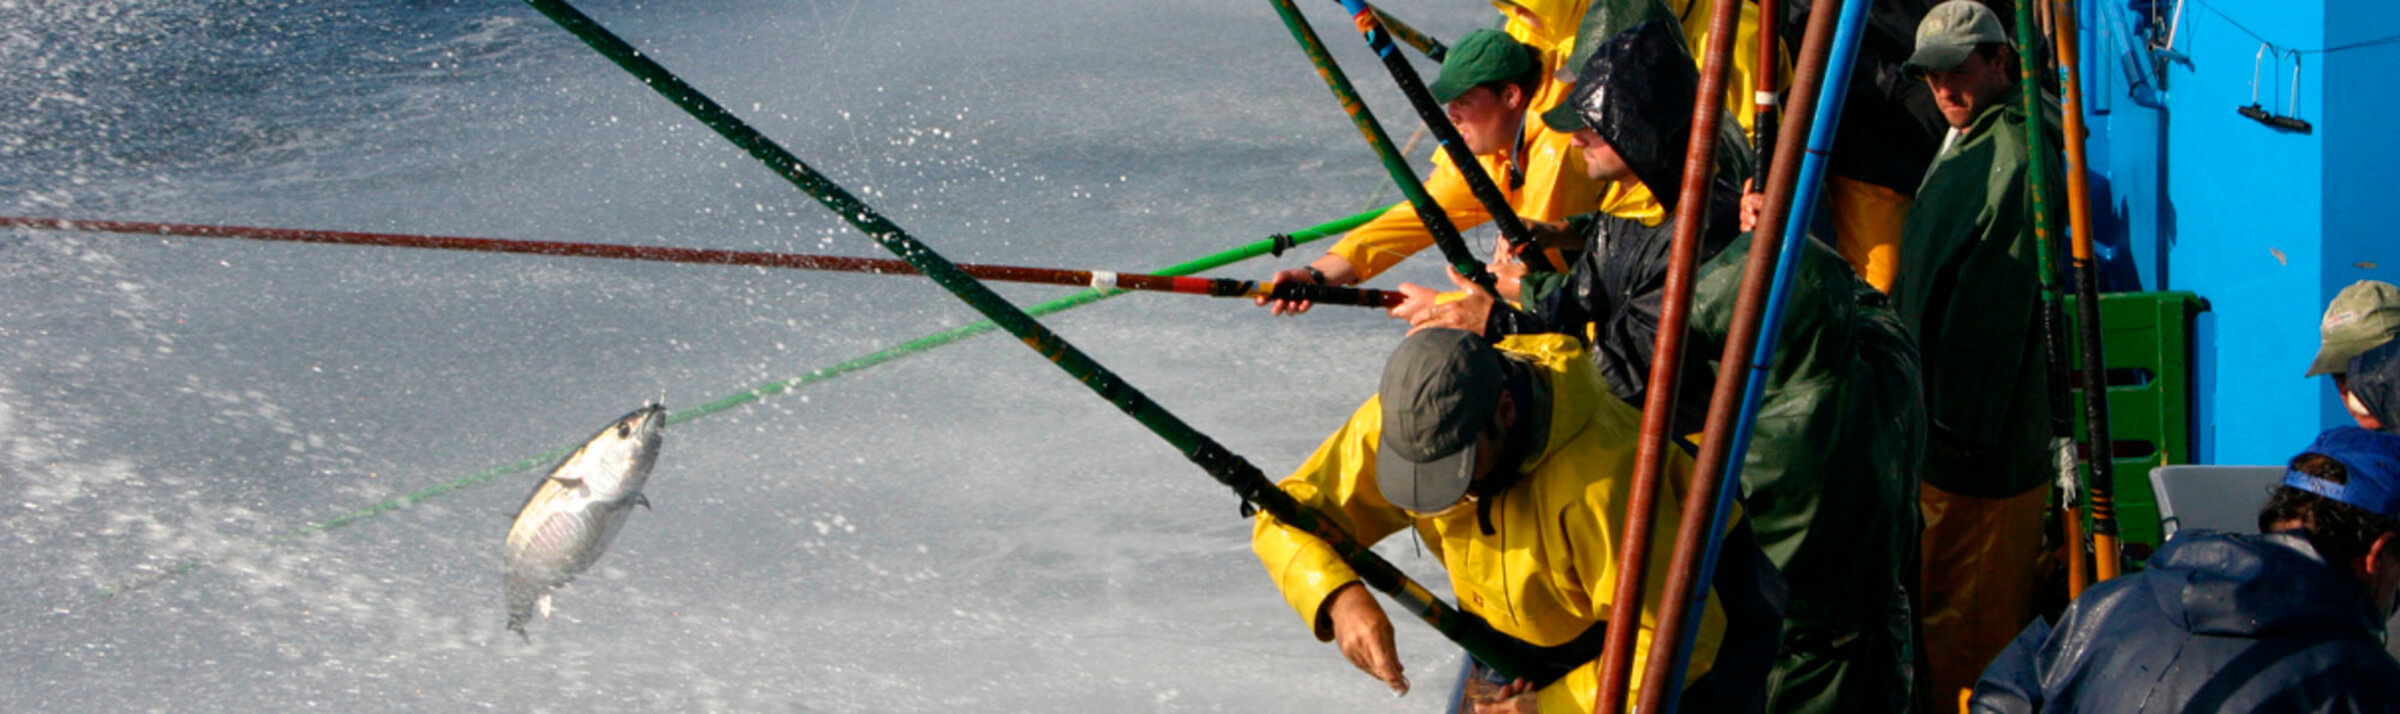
(2362, 316)
(1482, 56)
(1438, 393)
(1951, 31)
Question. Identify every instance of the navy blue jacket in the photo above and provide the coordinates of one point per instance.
(2220, 622)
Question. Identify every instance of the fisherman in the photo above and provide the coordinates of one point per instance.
(2361, 317)
(1630, 118)
(2291, 619)
(1490, 83)
(1829, 479)
(1511, 463)
(1969, 290)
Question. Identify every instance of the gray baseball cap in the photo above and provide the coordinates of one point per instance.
(1438, 393)
(1951, 31)
(2361, 316)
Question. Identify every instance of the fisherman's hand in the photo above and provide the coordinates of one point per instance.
(1328, 269)
(1365, 635)
(1516, 698)
(1287, 307)
(1508, 271)
(1753, 203)
(1469, 309)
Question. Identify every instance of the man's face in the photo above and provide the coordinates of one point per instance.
(1486, 118)
(1965, 90)
(1600, 161)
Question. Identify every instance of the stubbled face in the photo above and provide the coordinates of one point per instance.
(1486, 118)
(1600, 160)
(1965, 90)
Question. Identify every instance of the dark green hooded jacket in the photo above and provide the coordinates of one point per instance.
(1830, 478)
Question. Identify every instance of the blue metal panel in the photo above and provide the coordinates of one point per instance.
(2361, 152)
(2245, 226)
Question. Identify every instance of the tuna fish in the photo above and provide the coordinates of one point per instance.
(575, 511)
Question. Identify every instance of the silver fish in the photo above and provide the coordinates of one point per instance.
(575, 511)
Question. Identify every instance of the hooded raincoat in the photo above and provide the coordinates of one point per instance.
(1545, 571)
(2218, 622)
(1637, 94)
(2374, 378)
(1830, 479)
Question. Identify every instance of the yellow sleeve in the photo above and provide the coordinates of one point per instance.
(1399, 233)
(1338, 481)
(1596, 541)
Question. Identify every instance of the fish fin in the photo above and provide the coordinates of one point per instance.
(641, 500)
(567, 481)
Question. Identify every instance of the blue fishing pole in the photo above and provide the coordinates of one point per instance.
(1827, 118)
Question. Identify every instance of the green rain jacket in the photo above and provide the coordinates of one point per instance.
(1968, 289)
(1830, 479)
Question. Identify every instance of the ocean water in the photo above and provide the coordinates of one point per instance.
(964, 529)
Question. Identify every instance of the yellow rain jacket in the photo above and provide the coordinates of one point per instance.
(1555, 185)
(1548, 573)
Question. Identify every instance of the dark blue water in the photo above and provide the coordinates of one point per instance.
(966, 529)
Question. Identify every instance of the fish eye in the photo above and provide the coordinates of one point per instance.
(624, 430)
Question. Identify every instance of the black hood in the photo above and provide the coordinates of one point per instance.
(1637, 92)
(2375, 379)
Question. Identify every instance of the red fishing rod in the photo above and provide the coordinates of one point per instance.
(1097, 279)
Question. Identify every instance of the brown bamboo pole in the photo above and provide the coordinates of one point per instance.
(1725, 403)
(1213, 287)
(1616, 659)
(2102, 458)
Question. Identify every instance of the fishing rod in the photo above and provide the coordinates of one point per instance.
(1506, 654)
(1437, 120)
(2053, 316)
(2102, 486)
(1272, 245)
(1666, 367)
(1820, 83)
(1763, 98)
(1437, 222)
(1098, 279)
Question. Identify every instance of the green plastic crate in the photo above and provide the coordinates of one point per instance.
(2146, 343)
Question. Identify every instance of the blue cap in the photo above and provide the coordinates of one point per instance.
(2373, 460)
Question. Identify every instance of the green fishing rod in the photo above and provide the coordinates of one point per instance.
(1507, 655)
(2053, 317)
(1437, 222)
(1273, 245)
(1462, 157)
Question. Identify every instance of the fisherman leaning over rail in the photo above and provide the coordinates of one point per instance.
(1969, 290)
(1829, 480)
(2360, 318)
(1492, 85)
(1511, 464)
(2291, 620)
